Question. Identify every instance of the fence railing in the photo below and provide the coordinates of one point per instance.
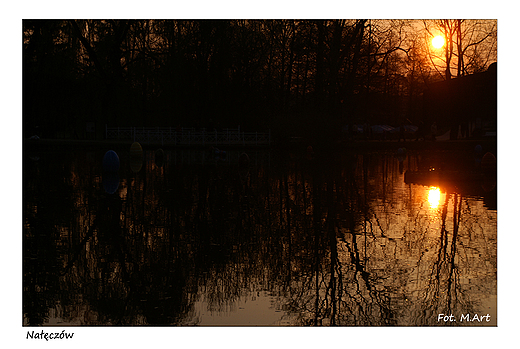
(188, 136)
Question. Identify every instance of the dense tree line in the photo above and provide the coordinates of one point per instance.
(296, 77)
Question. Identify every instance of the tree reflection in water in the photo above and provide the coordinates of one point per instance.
(333, 240)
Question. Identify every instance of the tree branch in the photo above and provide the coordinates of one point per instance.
(90, 50)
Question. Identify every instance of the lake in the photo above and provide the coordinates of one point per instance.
(182, 237)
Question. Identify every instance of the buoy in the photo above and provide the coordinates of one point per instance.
(110, 161)
(488, 163)
(110, 182)
(136, 163)
(136, 150)
(488, 186)
(159, 157)
(243, 160)
(136, 157)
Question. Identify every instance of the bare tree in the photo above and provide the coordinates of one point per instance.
(470, 44)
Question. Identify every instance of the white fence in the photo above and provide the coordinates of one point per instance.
(188, 136)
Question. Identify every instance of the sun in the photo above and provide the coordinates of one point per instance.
(438, 41)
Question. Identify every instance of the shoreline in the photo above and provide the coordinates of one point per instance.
(488, 144)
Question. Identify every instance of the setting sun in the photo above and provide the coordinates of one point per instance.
(438, 41)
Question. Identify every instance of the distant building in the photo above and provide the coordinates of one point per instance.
(466, 105)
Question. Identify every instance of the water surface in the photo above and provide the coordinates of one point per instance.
(190, 237)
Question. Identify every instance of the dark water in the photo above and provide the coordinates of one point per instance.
(189, 238)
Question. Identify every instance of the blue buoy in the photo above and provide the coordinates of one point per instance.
(110, 182)
(110, 161)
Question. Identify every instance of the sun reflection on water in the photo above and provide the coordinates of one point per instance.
(434, 197)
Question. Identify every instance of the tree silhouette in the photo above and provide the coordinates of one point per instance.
(297, 77)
